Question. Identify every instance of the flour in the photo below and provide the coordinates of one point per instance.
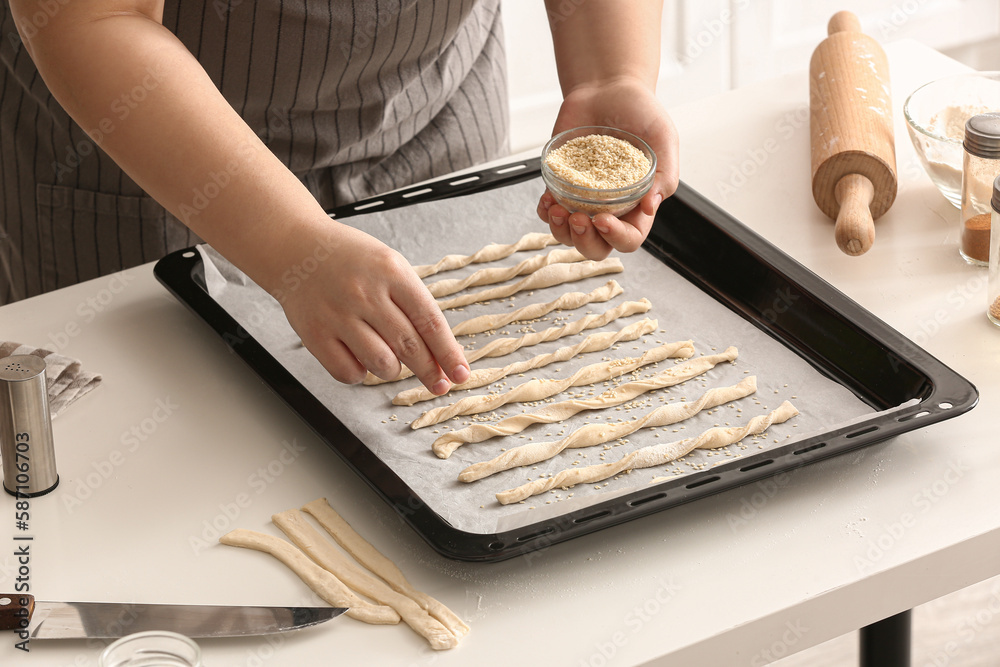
(950, 121)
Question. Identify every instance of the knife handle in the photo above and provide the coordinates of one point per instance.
(16, 610)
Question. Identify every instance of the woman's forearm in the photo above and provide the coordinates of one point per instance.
(603, 40)
(134, 87)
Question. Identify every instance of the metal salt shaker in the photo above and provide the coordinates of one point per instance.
(29, 462)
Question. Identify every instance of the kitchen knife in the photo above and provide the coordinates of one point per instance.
(73, 620)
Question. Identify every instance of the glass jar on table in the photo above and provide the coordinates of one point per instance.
(980, 167)
(993, 285)
(152, 649)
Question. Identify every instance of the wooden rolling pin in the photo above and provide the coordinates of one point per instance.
(850, 121)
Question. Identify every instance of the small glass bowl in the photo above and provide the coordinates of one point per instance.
(616, 201)
(937, 134)
(158, 648)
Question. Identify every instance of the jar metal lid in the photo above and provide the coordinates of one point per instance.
(982, 136)
(995, 201)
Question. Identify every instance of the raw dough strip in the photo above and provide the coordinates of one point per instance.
(293, 524)
(568, 301)
(505, 273)
(536, 390)
(501, 347)
(484, 376)
(490, 253)
(556, 274)
(591, 435)
(557, 412)
(648, 457)
(324, 584)
(370, 557)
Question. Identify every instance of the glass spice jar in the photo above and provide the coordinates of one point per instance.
(993, 286)
(980, 166)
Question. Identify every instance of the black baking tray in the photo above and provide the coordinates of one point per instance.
(728, 261)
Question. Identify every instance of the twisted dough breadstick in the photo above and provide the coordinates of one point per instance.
(370, 557)
(650, 456)
(490, 253)
(501, 347)
(298, 530)
(323, 583)
(504, 273)
(536, 390)
(556, 274)
(484, 376)
(596, 434)
(568, 301)
(556, 412)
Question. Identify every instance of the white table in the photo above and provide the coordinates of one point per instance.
(182, 442)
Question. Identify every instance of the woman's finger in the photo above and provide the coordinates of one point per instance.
(558, 217)
(624, 234)
(542, 211)
(586, 238)
(545, 202)
(429, 323)
(667, 172)
(368, 345)
(406, 345)
(337, 359)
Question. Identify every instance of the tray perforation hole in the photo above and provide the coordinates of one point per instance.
(417, 192)
(363, 207)
(463, 181)
(906, 418)
(507, 170)
(810, 448)
(648, 499)
(754, 466)
(862, 432)
(535, 536)
(702, 482)
(495, 546)
(945, 405)
(598, 515)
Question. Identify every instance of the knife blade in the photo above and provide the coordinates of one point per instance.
(35, 619)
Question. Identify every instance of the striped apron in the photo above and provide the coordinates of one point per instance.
(355, 97)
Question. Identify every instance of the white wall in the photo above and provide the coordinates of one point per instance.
(709, 46)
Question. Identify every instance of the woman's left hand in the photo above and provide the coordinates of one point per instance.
(629, 106)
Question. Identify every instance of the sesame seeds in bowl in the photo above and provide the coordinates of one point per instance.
(598, 170)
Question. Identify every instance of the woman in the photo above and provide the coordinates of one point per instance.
(240, 121)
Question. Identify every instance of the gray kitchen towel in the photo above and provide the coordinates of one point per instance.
(65, 378)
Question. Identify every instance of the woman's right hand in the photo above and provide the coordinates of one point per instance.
(362, 308)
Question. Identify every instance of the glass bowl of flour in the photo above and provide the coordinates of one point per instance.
(935, 117)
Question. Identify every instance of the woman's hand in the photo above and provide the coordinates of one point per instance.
(631, 106)
(364, 309)
(356, 304)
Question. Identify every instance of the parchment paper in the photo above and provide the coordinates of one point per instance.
(426, 232)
